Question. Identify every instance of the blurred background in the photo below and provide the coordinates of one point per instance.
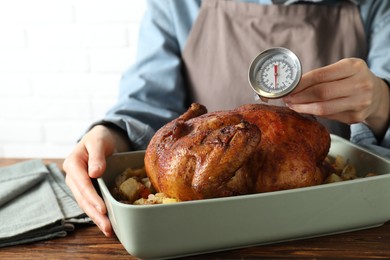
(60, 65)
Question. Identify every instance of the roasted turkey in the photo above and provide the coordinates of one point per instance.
(253, 148)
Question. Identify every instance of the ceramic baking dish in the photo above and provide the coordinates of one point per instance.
(196, 227)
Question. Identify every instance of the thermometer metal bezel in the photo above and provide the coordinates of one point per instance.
(262, 59)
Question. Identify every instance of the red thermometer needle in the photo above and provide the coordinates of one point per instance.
(276, 74)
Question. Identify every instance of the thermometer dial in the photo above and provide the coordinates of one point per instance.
(274, 73)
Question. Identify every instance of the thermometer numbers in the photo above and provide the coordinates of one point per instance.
(275, 72)
(275, 75)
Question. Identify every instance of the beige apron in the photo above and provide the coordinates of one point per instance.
(228, 35)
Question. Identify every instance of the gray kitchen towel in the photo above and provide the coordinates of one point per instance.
(35, 203)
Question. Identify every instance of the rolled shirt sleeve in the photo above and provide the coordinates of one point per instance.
(153, 91)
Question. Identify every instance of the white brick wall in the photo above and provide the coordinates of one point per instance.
(60, 65)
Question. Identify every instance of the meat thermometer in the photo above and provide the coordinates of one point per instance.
(274, 73)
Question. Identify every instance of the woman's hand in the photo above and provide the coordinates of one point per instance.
(346, 91)
(88, 160)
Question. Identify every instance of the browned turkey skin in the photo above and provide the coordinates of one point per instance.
(254, 148)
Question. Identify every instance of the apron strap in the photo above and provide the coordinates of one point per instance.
(228, 35)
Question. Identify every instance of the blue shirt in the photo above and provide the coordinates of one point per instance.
(153, 91)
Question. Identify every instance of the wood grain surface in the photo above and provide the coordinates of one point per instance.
(87, 242)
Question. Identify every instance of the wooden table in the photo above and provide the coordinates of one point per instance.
(87, 242)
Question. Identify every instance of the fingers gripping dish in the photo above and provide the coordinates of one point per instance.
(253, 148)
